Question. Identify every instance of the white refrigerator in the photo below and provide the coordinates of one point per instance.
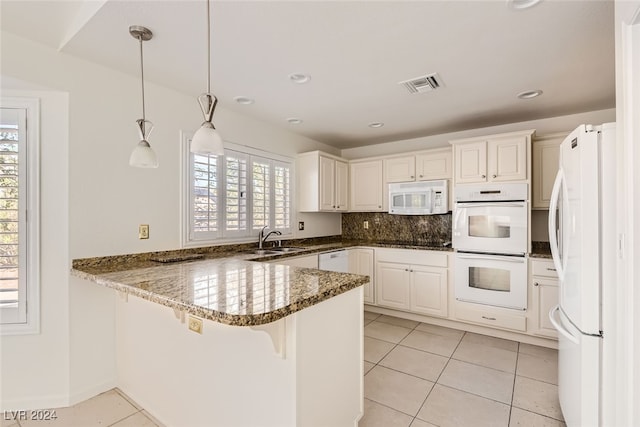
(583, 247)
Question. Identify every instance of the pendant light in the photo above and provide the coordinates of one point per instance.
(207, 140)
(143, 155)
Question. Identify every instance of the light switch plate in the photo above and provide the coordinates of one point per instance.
(143, 231)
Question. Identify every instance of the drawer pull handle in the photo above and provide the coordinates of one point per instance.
(551, 269)
(488, 318)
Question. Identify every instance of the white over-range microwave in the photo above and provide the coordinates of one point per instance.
(419, 198)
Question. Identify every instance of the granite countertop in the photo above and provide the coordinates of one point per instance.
(540, 250)
(226, 290)
(229, 284)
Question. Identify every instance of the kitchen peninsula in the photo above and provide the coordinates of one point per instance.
(279, 345)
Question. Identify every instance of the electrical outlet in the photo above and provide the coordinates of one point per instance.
(300, 225)
(195, 324)
(143, 231)
(366, 225)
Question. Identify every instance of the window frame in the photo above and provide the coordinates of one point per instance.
(189, 237)
(26, 320)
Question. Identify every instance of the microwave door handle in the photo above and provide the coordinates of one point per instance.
(518, 260)
(492, 205)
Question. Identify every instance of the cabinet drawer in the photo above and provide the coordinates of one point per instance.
(489, 316)
(414, 256)
(543, 268)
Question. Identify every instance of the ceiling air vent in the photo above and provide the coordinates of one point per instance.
(423, 83)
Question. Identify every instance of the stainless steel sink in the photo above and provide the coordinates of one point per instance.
(263, 252)
(286, 249)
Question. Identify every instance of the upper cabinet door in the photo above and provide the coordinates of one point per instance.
(327, 184)
(436, 165)
(400, 169)
(342, 186)
(546, 158)
(507, 159)
(471, 162)
(366, 193)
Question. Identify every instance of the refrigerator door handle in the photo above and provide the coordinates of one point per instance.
(553, 238)
(558, 325)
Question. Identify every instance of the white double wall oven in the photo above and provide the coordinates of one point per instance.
(490, 236)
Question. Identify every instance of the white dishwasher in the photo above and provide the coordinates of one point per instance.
(334, 261)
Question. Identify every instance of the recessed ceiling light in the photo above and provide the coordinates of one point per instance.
(299, 78)
(294, 121)
(376, 125)
(243, 100)
(528, 94)
(522, 4)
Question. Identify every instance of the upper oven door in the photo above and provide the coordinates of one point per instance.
(495, 227)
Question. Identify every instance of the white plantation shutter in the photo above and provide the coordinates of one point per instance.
(261, 193)
(282, 196)
(235, 195)
(19, 233)
(205, 206)
(235, 191)
(11, 287)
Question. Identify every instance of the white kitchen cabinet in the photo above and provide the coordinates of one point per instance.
(495, 158)
(435, 164)
(323, 182)
(470, 162)
(400, 169)
(544, 296)
(546, 158)
(393, 285)
(366, 186)
(429, 290)
(495, 317)
(412, 280)
(361, 262)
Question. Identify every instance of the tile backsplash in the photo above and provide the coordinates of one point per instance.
(428, 230)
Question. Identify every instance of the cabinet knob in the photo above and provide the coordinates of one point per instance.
(412, 176)
(484, 176)
(379, 207)
(421, 176)
(536, 284)
(494, 176)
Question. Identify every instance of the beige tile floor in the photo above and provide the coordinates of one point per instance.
(416, 375)
(420, 375)
(109, 409)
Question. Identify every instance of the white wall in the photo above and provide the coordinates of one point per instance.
(542, 126)
(92, 205)
(34, 368)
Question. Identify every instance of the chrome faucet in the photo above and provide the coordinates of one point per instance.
(262, 238)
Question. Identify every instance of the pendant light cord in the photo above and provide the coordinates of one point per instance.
(208, 47)
(142, 76)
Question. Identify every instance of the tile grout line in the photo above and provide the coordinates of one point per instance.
(513, 388)
(437, 379)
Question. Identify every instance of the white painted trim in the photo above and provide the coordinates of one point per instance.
(87, 393)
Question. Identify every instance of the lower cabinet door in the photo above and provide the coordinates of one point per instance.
(545, 297)
(429, 291)
(392, 285)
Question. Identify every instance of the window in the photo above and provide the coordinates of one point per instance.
(19, 210)
(233, 196)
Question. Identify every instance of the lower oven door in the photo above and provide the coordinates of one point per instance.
(496, 280)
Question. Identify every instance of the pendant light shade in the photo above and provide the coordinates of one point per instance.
(143, 155)
(207, 139)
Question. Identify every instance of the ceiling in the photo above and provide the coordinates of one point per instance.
(356, 52)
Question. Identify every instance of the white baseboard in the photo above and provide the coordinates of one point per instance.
(79, 395)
